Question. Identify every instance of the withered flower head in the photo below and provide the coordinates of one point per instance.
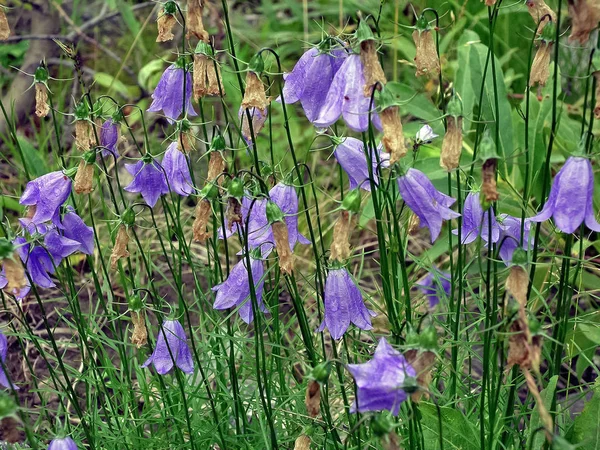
(372, 70)
(83, 135)
(393, 135)
(203, 214)
(281, 237)
(194, 20)
(426, 58)
(453, 140)
(585, 15)
(255, 96)
(540, 68)
(489, 156)
(540, 12)
(216, 166)
(340, 246)
(233, 214)
(312, 400)
(84, 177)
(120, 248)
(207, 73)
(185, 143)
(422, 362)
(490, 2)
(414, 223)
(166, 21)
(41, 100)
(302, 442)
(597, 100)
(4, 28)
(139, 337)
(14, 272)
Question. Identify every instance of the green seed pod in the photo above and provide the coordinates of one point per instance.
(7, 405)
(203, 49)
(352, 201)
(135, 303)
(209, 192)
(519, 257)
(455, 106)
(218, 143)
(6, 248)
(487, 148)
(41, 74)
(410, 385)
(235, 188)
(82, 111)
(428, 339)
(382, 424)
(422, 24)
(170, 8)
(128, 217)
(321, 372)
(364, 33)
(274, 213)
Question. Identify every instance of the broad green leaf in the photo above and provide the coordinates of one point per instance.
(109, 82)
(586, 428)
(535, 422)
(33, 160)
(417, 105)
(144, 75)
(457, 432)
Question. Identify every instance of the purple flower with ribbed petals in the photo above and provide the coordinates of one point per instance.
(65, 443)
(311, 79)
(350, 154)
(510, 236)
(346, 98)
(75, 228)
(148, 179)
(429, 205)
(379, 381)
(168, 95)
(286, 198)
(38, 262)
(47, 193)
(435, 286)
(171, 338)
(59, 246)
(235, 290)
(109, 138)
(475, 222)
(3, 351)
(571, 197)
(178, 171)
(236, 228)
(260, 234)
(33, 228)
(344, 304)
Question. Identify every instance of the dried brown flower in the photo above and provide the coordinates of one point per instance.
(393, 136)
(254, 96)
(340, 246)
(538, 10)
(414, 223)
(41, 100)
(4, 27)
(597, 100)
(120, 248)
(139, 337)
(426, 59)
(490, 2)
(185, 144)
(194, 20)
(233, 214)
(488, 176)
(452, 144)
(15, 274)
(540, 68)
(372, 69)
(165, 23)
(282, 243)
(216, 166)
(312, 400)
(302, 442)
(207, 77)
(83, 135)
(422, 362)
(84, 178)
(199, 227)
(585, 15)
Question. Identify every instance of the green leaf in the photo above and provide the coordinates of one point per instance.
(144, 75)
(33, 160)
(457, 431)
(586, 428)
(109, 82)
(417, 105)
(547, 395)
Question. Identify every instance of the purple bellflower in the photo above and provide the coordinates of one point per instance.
(178, 172)
(65, 443)
(379, 382)
(38, 262)
(109, 138)
(59, 246)
(171, 338)
(311, 79)
(510, 236)
(148, 179)
(435, 286)
(168, 95)
(351, 156)
(346, 98)
(344, 305)
(3, 351)
(235, 290)
(75, 228)
(475, 221)
(286, 198)
(47, 193)
(429, 205)
(570, 202)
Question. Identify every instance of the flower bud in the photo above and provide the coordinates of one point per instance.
(120, 248)
(312, 400)
(352, 201)
(4, 27)
(203, 214)
(84, 178)
(321, 372)
(340, 245)
(382, 423)
(166, 21)
(194, 20)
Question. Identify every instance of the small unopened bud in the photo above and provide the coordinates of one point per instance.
(539, 11)
(382, 423)
(84, 178)
(83, 135)
(585, 15)
(414, 223)
(120, 248)
(4, 27)
(340, 246)
(488, 177)
(312, 400)
(321, 372)
(452, 144)
(254, 96)
(139, 336)
(372, 69)
(302, 442)
(203, 214)
(194, 20)
(393, 136)
(426, 58)
(282, 244)
(41, 100)
(540, 68)
(165, 22)
(216, 166)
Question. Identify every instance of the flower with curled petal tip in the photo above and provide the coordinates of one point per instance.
(344, 305)
(435, 286)
(379, 382)
(177, 170)
(235, 290)
(168, 95)
(286, 198)
(171, 350)
(65, 443)
(510, 236)
(475, 221)
(351, 156)
(109, 138)
(346, 98)
(47, 193)
(75, 228)
(571, 198)
(148, 180)
(429, 205)
(59, 246)
(3, 351)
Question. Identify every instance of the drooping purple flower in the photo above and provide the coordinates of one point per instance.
(38, 262)
(430, 205)
(148, 179)
(33, 228)
(75, 228)
(168, 95)
(346, 98)
(570, 200)
(235, 290)
(344, 304)
(475, 221)
(109, 138)
(286, 198)
(379, 381)
(47, 193)
(311, 79)
(3, 351)
(510, 236)
(350, 154)
(59, 246)
(178, 172)
(435, 286)
(171, 338)
(65, 443)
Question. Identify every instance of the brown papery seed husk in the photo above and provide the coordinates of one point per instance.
(422, 362)
(194, 20)
(302, 442)
(426, 58)
(517, 283)
(165, 23)
(543, 412)
(312, 400)
(539, 9)
(84, 178)
(540, 68)
(186, 142)
(488, 176)
(585, 15)
(254, 96)
(413, 224)
(452, 144)
(490, 2)
(340, 246)
(41, 100)
(216, 166)
(391, 441)
(372, 70)
(83, 135)
(233, 214)
(597, 101)
(393, 136)
(203, 214)
(139, 336)
(282, 243)
(4, 27)
(15, 274)
(199, 80)
(215, 81)
(120, 248)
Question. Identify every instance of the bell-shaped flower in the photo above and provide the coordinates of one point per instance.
(148, 179)
(475, 222)
(177, 170)
(311, 79)
(168, 95)
(425, 135)
(3, 352)
(350, 154)
(65, 443)
(344, 304)
(171, 349)
(59, 246)
(510, 236)
(38, 262)
(436, 286)
(286, 198)
(429, 205)
(380, 381)
(571, 195)
(47, 193)
(346, 98)
(109, 138)
(75, 228)
(235, 290)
